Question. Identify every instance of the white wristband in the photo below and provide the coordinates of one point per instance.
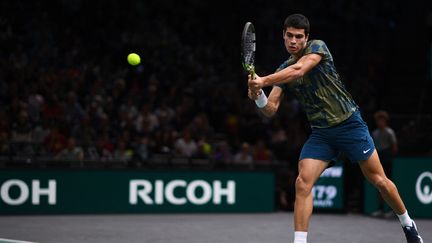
(262, 100)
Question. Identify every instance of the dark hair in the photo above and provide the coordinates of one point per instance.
(297, 21)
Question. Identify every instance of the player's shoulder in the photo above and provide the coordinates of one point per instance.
(316, 45)
(316, 42)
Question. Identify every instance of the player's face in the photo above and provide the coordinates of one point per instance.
(295, 40)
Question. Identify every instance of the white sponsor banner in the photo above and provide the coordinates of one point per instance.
(160, 192)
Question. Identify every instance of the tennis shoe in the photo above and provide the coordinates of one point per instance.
(411, 234)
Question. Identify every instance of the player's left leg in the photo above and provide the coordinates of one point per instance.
(353, 139)
(374, 172)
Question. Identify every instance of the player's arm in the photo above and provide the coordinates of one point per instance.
(273, 102)
(286, 75)
(267, 106)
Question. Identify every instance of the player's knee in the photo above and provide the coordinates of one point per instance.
(302, 187)
(382, 184)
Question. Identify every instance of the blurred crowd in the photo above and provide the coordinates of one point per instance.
(68, 93)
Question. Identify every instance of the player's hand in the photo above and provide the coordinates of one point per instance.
(253, 95)
(252, 92)
(256, 83)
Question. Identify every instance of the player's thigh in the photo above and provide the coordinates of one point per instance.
(315, 157)
(372, 169)
(309, 172)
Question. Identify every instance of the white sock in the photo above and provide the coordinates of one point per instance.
(405, 219)
(300, 237)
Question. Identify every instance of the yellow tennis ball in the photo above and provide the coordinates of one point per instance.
(133, 59)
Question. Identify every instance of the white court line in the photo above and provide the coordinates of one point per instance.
(14, 241)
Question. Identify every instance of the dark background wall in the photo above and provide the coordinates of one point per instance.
(191, 68)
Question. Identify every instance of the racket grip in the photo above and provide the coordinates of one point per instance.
(252, 73)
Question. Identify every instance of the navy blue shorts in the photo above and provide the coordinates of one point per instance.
(351, 138)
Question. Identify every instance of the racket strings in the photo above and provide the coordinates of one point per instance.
(249, 48)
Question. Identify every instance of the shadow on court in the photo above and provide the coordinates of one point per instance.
(202, 228)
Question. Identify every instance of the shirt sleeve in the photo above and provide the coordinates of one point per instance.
(282, 66)
(318, 47)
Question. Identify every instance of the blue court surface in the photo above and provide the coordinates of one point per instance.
(202, 228)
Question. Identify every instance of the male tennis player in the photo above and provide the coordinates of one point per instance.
(337, 126)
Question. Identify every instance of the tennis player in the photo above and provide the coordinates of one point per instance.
(337, 125)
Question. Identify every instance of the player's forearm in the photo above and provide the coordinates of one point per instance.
(284, 76)
(269, 110)
(267, 106)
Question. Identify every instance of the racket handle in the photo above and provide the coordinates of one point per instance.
(252, 73)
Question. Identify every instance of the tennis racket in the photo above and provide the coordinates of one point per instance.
(248, 47)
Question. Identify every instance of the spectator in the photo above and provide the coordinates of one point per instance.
(129, 108)
(185, 145)
(122, 152)
(385, 140)
(72, 152)
(244, 156)
(200, 126)
(22, 128)
(386, 146)
(73, 111)
(146, 120)
(102, 150)
(4, 143)
(22, 134)
(261, 154)
(142, 151)
(35, 104)
(204, 149)
(39, 135)
(162, 141)
(222, 154)
(55, 142)
(279, 140)
(53, 108)
(84, 133)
